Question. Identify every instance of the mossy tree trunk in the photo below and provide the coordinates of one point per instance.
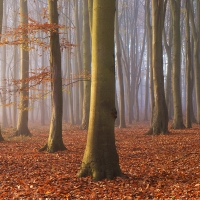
(86, 64)
(55, 141)
(160, 113)
(100, 158)
(22, 125)
(178, 117)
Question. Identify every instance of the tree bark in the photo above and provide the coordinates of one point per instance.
(1, 20)
(22, 125)
(188, 68)
(149, 29)
(55, 142)
(160, 113)
(178, 117)
(86, 65)
(122, 123)
(195, 33)
(100, 157)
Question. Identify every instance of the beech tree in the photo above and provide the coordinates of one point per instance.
(55, 141)
(160, 113)
(1, 20)
(178, 118)
(22, 125)
(188, 67)
(100, 158)
(86, 64)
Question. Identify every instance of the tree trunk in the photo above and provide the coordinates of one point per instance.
(100, 158)
(78, 63)
(188, 68)
(22, 125)
(168, 89)
(122, 123)
(148, 63)
(42, 103)
(178, 117)
(55, 142)
(87, 65)
(195, 33)
(1, 20)
(160, 113)
(149, 29)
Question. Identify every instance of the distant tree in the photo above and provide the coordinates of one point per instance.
(22, 125)
(3, 95)
(55, 141)
(188, 67)
(149, 32)
(1, 20)
(160, 113)
(100, 157)
(122, 123)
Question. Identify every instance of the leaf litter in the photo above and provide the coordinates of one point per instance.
(157, 167)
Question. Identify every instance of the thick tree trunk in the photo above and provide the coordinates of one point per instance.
(100, 158)
(178, 117)
(55, 142)
(22, 125)
(86, 65)
(160, 113)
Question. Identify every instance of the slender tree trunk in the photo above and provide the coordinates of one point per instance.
(87, 65)
(188, 68)
(146, 104)
(100, 158)
(122, 123)
(195, 33)
(178, 117)
(22, 125)
(149, 27)
(1, 20)
(79, 92)
(42, 103)
(168, 89)
(55, 142)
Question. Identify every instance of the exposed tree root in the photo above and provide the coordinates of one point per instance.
(177, 126)
(53, 148)
(22, 133)
(99, 173)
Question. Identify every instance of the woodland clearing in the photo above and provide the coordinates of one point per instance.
(157, 167)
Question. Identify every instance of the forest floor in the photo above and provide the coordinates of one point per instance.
(157, 167)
